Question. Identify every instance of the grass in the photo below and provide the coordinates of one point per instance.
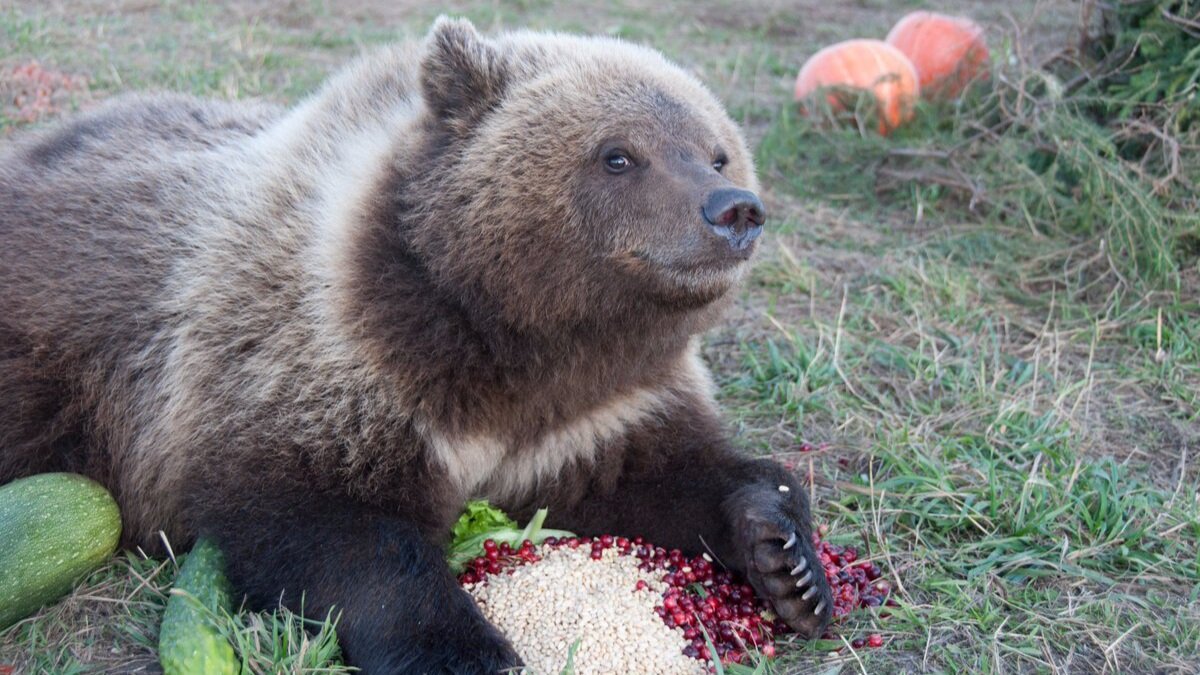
(996, 339)
(1021, 469)
(111, 621)
(281, 641)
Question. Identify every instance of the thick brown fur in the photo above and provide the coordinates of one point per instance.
(314, 333)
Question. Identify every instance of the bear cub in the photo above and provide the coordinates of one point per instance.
(469, 267)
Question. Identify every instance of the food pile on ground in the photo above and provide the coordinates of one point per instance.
(855, 583)
(612, 604)
(568, 601)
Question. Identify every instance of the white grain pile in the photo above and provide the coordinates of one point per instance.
(545, 607)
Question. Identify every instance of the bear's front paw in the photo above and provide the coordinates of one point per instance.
(774, 540)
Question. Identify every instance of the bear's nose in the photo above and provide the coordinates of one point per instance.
(735, 215)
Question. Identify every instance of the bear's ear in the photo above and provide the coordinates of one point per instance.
(463, 75)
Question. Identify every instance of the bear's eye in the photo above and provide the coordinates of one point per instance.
(720, 162)
(617, 162)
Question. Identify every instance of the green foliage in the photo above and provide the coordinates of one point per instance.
(1157, 46)
(477, 517)
(1019, 151)
(480, 521)
(1023, 505)
(201, 629)
(282, 641)
(569, 666)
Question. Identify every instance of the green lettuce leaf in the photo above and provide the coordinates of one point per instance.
(478, 517)
(481, 521)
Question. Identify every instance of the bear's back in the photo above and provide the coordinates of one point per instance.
(137, 129)
(88, 226)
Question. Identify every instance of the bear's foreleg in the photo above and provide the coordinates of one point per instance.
(682, 485)
(401, 610)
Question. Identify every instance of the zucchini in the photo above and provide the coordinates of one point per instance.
(55, 528)
(189, 642)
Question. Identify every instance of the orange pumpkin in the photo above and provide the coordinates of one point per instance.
(947, 51)
(869, 65)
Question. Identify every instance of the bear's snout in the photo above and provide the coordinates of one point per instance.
(735, 215)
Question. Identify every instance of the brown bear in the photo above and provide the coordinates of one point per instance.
(470, 267)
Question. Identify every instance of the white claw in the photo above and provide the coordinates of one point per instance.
(809, 593)
(807, 578)
(799, 568)
(820, 606)
(790, 542)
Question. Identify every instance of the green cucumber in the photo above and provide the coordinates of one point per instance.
(54, 529)
(189, 642)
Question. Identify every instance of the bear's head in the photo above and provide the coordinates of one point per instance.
(577, 180)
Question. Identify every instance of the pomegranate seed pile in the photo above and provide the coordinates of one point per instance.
(855, 584)
(644, 609)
